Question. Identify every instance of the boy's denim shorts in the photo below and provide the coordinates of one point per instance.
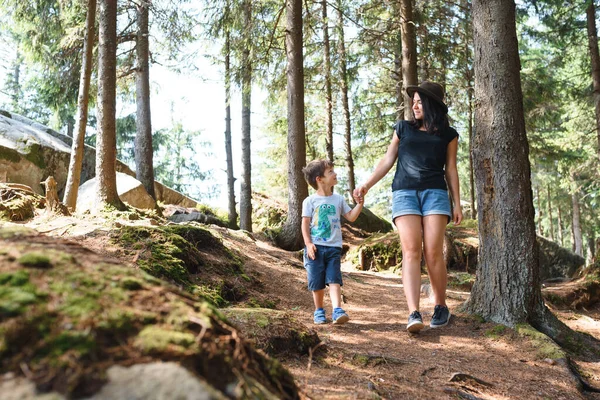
(420, 202)
(325, 268)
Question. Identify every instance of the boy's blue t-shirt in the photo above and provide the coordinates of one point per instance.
(325, 218)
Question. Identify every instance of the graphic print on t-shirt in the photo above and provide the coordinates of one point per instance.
(322, 228)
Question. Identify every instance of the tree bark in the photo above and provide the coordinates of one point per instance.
(290, 237)
(228, 150)
(550, 213)
(576, 226)
(595, 56)
(144, 169)
(507, 287)
(106, 140)
(327, 76)
(345, 101)
(539, 211)
(76, 161)
(561, 238)
(409, 53)
(246, 182)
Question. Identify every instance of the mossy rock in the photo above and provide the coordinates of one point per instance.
(275, 332)
(379, 252)
(369, 222)
(179, 253)
(8, 231)
(83, 313)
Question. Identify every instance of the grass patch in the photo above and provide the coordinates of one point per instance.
(35, 259)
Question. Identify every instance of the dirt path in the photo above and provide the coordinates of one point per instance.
(373, 355)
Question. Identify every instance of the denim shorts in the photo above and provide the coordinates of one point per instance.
(420, 202)
(325, 268)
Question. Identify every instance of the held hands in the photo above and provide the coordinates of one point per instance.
(457, 214)
(311, 250)
(359, 194)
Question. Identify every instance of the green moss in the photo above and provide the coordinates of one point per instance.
(35, 259)
(14, 300)
(156, 339)
(210, 294)
(12, 230)
(258, 303)
(360, 360)
(131, 283)
(545, 347)
(9, 154)
(461, 280)
(80, 342)
(495, 332)
(35, 155)
(17, 278)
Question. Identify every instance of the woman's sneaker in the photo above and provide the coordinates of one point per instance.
(415, 322)
(339, 316)
(319, 316)
(441, 316)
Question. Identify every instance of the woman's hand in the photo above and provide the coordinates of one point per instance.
(457, 215)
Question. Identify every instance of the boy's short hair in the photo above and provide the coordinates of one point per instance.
(314, 169)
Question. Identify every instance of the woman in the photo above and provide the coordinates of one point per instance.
(425, 149)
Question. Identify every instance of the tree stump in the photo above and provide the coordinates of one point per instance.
(53, 205)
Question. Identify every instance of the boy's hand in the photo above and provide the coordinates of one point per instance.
(311, 250)
(359, 199)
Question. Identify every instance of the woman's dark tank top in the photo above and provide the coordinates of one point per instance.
(421, 158)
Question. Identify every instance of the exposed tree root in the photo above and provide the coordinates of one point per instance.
(562, 337)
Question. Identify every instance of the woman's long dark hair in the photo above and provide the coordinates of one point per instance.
(435, 117)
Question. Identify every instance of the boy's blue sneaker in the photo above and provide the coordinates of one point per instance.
(441, 316)
(319, 316)
(415, 322)
(339, 316)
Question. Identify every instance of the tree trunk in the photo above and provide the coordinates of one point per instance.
(409, 53)
(228, 151)
(144, 169)
(246, 183)
(561, 238)
(327, 76)
(106, 140)
(576, 227)
(76, 162)
(595, 55)
(539, 211)
(291, 235)
(345, 101)
(550, 214)
(591, 248)
(469, 80)
(507, 287)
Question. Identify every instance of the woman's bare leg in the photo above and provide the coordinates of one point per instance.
(411, 239)
(434, 228)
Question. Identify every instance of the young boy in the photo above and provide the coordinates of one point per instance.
(322, 233)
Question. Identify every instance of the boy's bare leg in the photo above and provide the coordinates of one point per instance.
(318, 296)
(335, 292)
(411, 239)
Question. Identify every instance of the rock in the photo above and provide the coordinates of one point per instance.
(29, 152)
(129, 190)
(556, 261)
(18, 388)
(369, 222)
(155, 381)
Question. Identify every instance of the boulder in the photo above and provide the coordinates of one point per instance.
(556, 261)
(155, 381)
(369, 222)
(30, 152)
(129, 189)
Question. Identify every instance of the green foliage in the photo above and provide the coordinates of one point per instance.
(176, 162)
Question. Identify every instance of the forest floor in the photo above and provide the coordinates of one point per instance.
(373, 356)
